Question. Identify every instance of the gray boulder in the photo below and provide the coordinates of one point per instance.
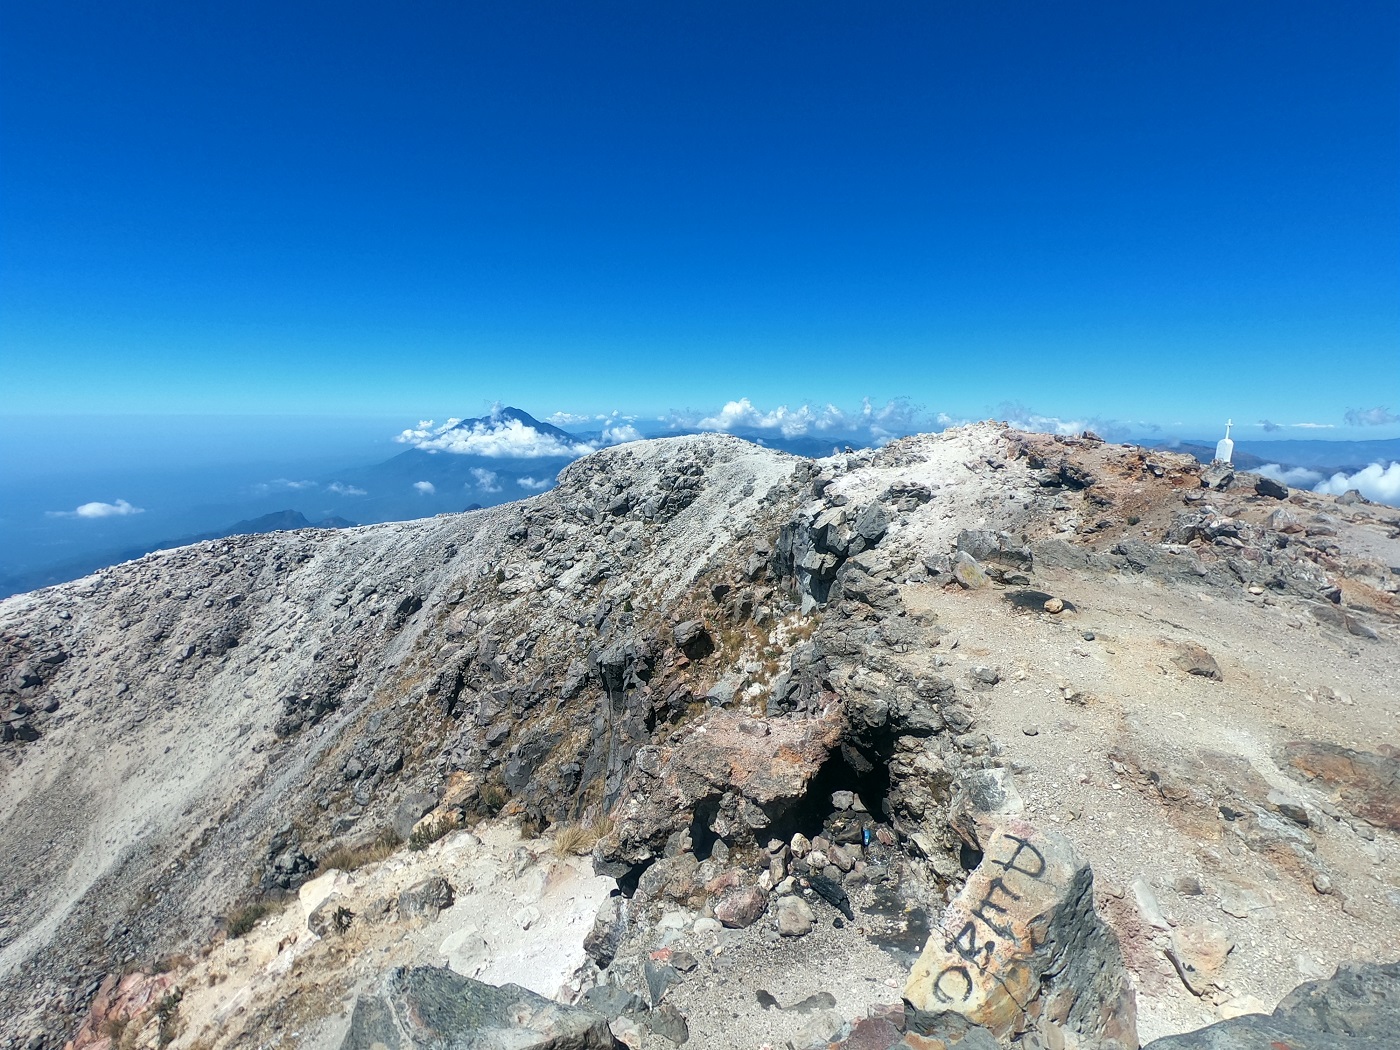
(1357, 1009)
(428, 1006)
(414, 805)
(427, 898)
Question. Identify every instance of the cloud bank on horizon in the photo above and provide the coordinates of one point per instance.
(1379, 482)
(499, 436)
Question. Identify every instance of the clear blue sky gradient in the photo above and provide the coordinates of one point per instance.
(1144, 211)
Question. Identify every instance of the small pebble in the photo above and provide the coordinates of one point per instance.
(1054, 605)
(1031, 730)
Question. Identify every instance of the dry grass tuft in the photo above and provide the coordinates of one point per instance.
(573, 840)
(352, 858)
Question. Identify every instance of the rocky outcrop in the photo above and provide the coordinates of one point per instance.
(1021, 949)
(427, 1008)
(738, 774)
(140, 1004)
(1358, 1008)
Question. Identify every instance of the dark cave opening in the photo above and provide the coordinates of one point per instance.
(848, 768)
(702, 836)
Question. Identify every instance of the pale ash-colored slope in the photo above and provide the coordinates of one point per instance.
(974, 485)
(127, 780)
(155, 762)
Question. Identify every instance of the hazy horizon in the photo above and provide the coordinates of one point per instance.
(247, 254)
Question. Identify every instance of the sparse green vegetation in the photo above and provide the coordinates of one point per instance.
(168, 1016)
(493, 798)
(242, 921)
(424, 835)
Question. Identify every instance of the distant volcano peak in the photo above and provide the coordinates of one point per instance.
(505, 414)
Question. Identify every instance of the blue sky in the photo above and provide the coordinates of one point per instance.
(1166, 213)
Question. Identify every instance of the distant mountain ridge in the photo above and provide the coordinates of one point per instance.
(75, 568)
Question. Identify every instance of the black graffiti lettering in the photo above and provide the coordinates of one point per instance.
(987, 903)
(944, 997)
(1022, 846)
(965, 944)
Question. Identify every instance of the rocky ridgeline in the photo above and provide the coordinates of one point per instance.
(696, 655)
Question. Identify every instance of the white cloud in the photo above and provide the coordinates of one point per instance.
(1314, 426)
(427, 488)
(1376, 482)
(1022, 418)
(265, 488)
(342, 489)
(568, 419)
(790, 422)
(486, 480)
(617, 433)
(533, 484)
(1293, 477)
(119, 509)
(877, 424)
(492, 437)
(1379, 416)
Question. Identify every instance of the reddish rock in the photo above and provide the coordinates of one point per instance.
(1366, 784)
(740, 908)
(129, 1000)
(750, 770)
(870, 1034)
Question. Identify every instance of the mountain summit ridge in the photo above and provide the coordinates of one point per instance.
(695, 655)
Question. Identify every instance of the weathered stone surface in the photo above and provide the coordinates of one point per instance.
(716, 769)
(1217, 476)
(795, 917)
(1193, 659)
(1357, 1009)
(693, 639)
(1367, 784)
(120, 1003)
(741, 907)
(1197, 953)
(432, 1007)
(968, 572)
(427, 898)
(1021, 948)
(413, 806)
(1271, 488)
(609, 927)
